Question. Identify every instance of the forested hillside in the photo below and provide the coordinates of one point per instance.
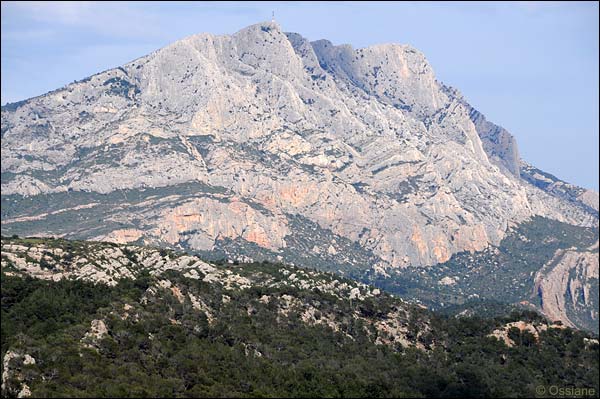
(159, 323)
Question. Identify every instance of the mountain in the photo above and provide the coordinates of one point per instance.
(262, 145)
(94, 319)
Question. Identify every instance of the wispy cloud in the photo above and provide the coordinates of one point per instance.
(115, 19)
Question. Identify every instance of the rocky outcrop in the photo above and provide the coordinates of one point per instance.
(500, 146)
(98, 331)
(107, 263)
(13, 376)
(568, 287)
(212, 220)
(262, 138)
(567, 193)
(96, 262)
(590, 198)
(535, 329)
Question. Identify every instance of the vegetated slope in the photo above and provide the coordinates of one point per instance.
(84, 319)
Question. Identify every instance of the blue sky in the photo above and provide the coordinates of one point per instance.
(531, 67)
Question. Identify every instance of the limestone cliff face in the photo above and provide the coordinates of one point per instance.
(500, 146)
(565, 192)
(568, 287)
(363, 149)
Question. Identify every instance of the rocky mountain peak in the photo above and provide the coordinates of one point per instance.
(395, 74)
(262, 141)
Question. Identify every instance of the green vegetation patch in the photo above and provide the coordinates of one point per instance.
(160, 345)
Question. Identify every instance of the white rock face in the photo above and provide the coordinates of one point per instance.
(447, 281)
(98, 266)
(365, 143)
(568, 287)
(11, 370)
(590, 198)
(534, 329)
(98, 330)
(97, 262)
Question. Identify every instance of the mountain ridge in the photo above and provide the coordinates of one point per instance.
(262, 139)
